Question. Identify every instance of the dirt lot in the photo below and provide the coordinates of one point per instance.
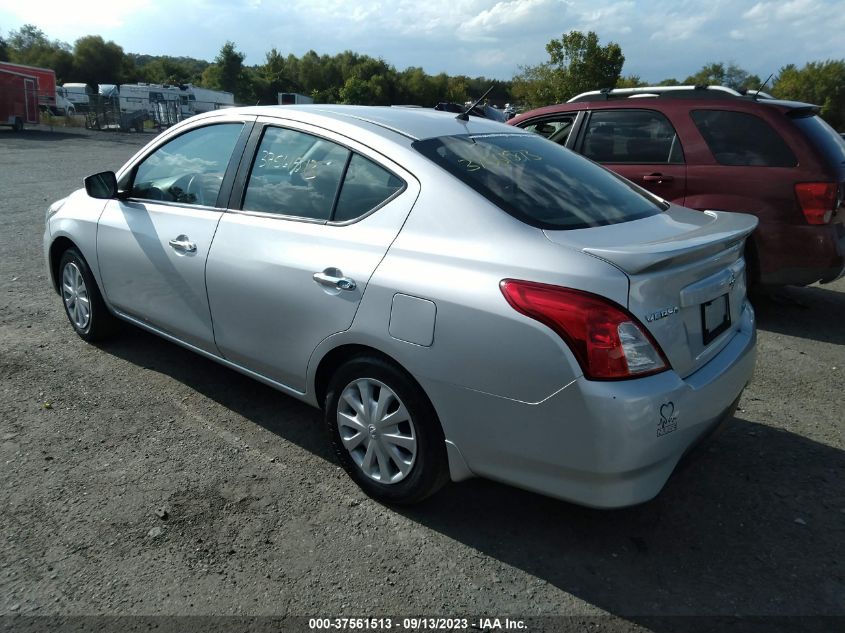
(99, 441)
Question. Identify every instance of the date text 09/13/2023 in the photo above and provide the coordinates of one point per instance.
(415, 624)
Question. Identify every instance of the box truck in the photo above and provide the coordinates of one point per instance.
(293, 98)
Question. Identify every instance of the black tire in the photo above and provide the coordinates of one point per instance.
(18, 126)
(429, 471)
(100, 323)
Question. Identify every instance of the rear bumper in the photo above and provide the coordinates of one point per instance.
(800, 255)
(599, 444)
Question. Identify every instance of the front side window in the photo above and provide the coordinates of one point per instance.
(631, 136)
(190, 168)
(537, 182)
(742, 139)
(555, 129)
(295, 174)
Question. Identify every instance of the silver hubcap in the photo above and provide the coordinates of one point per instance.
(75, 296)
(377, 430)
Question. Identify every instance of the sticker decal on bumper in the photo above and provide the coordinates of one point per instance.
(668, 419)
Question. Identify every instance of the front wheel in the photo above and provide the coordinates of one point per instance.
(385, 432)
(83, 303)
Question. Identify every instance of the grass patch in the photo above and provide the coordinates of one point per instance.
(48, 118)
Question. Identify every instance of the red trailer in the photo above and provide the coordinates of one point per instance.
(18, 98)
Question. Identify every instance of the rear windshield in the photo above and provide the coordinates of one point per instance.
(824, 137)
(538, 181)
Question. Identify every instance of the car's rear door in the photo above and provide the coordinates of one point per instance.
(152, 245)
(312, 214)
(639, 144)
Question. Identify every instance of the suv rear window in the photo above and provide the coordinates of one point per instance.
(825, 138)
(538, 181)
(742, 139)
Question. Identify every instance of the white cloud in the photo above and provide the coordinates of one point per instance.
(493, 37)
(510, 16)
(68, 20)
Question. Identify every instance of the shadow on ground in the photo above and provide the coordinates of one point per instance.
(812, 312)
(753, 525)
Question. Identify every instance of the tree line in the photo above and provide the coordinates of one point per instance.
(578, 62)
(347, 77)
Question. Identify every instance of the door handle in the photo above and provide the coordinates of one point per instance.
(183, 244)
(333, 278)
(658, 178)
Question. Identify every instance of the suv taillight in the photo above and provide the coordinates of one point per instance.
(818, 200)
(608, 341)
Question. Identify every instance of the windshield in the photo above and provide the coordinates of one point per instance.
(539, 182)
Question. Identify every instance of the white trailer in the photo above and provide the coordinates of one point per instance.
(206, 100)
(76, 93)
(163, 104)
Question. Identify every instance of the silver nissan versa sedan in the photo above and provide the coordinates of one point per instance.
(461, 298)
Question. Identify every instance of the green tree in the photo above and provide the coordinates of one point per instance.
(731, 76)
(820, 83)
(355, 91)
(227, 72)
(29, 45)
(577, 63)
(631, 81)
(96, 61)
(4, 50)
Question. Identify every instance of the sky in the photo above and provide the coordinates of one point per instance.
(659, 38)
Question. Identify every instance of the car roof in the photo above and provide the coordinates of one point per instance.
(412, 123)
(660, 103)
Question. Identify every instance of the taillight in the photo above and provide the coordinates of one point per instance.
(818, 200)
(608, 341)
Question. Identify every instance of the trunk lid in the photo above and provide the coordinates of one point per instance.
(686, 274)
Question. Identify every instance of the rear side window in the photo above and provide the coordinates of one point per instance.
(828, 141)
(365, 187)
(742, 139)
(295, 174)
(538, 182)
(631, 136)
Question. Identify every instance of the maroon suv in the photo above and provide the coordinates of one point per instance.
(714, 148)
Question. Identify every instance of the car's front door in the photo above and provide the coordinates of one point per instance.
(313, 217)
(639, 144)
(152, 244)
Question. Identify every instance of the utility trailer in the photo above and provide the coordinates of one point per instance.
(18, 98)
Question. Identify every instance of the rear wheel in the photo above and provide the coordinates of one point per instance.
(18, 125)
(385, 432)
(83, 303)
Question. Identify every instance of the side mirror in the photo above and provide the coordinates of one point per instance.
(102, 186)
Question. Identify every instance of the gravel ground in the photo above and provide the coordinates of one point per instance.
(141, 479)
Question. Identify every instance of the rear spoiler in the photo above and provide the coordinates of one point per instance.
(803, 112)
(733, 229)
